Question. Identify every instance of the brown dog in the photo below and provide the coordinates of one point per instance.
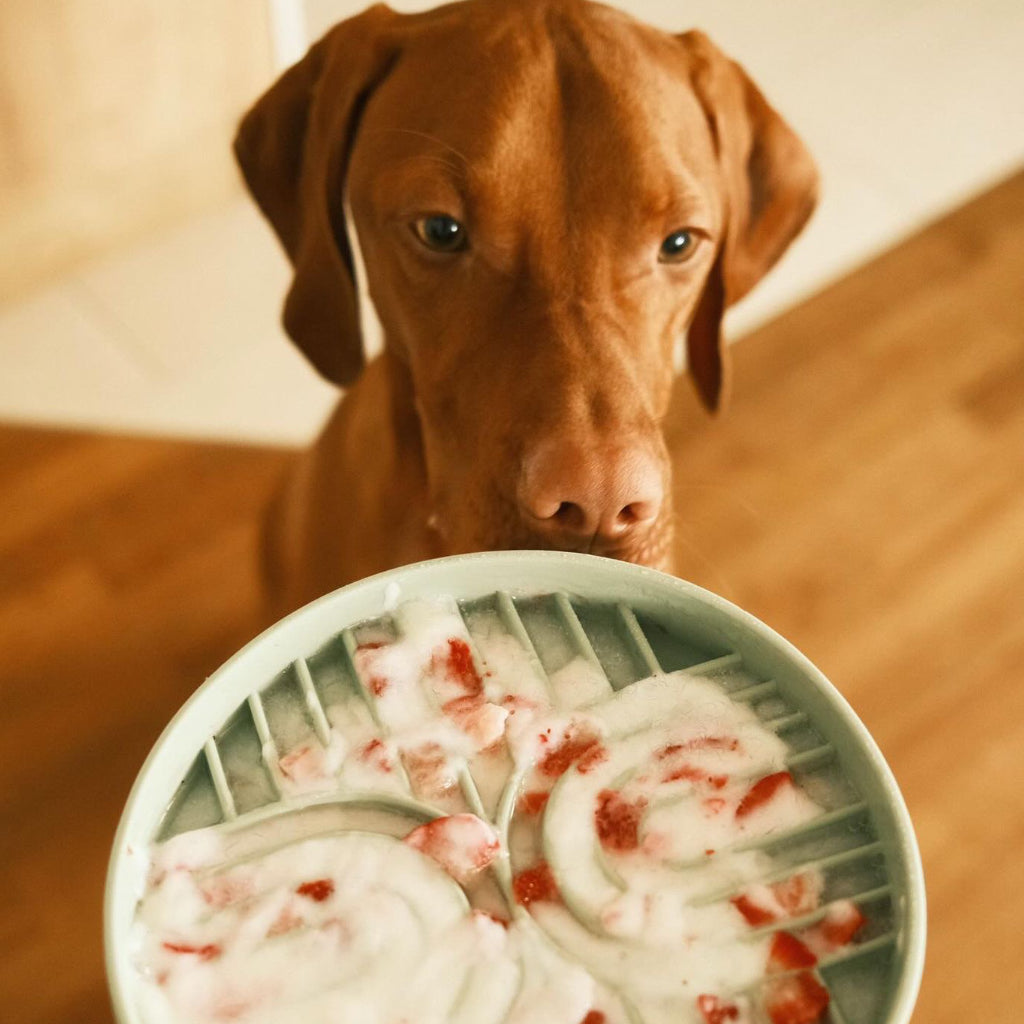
(548, 196)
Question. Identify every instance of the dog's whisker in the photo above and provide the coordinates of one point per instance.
(752, 511)
(700, 560)
(427, 136)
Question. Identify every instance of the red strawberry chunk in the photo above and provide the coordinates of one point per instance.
(762, 904)
(591, 757)
(303, 764)
(694, 774)
(753, 913)
(318, 890)
(713, 805)
(594, 1017)
(800, 893)
(210, 951)
(223, 890)
(457, 665)
(797, 999)
(577, 744)
(431, 773)
(533, 802)
(788, 953)
(535, 884)
(717, 1011)
(617, 820)
(366, 655)
(762, 791)
(841, 922)
(729, 743)
(481, 721)
(462, 844)
(375, 753)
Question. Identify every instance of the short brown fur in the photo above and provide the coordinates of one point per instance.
(569, 139)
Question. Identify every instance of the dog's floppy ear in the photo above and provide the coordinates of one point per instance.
(293, 147)
(770, 188)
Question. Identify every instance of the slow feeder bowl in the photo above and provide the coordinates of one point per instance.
(210, 767)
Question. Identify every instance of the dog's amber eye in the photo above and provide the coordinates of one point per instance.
(441, 233)
(678, 246)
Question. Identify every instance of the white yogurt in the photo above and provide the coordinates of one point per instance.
(589, 887)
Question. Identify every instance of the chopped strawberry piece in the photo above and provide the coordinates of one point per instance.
(208, 952)
(516, 703)
(376, 753)
(458, 667)
(788, 953)
(303, 764)
(594, 1017)
(797, 999)
(462, 844)
(841, 922)
(533, 802)
(591, 758)
(800, 893)
(753, 913)
(365, 656)
(698, 743)
(535, 884)
(762, 791)
(482, 721)
(617, 820)
(459, 707)
(223, 890)
(696, 775)
(577, 744)
(318, 890)
(717, 1011)
(430, 771)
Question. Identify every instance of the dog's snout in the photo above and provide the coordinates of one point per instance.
(575, 494)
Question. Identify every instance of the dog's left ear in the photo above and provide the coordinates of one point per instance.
(292, 147)
(770, 189)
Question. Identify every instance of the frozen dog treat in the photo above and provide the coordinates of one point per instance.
(570, 854)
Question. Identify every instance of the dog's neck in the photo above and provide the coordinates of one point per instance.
(405, 420)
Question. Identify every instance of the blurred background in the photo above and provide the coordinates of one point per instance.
(140, 291)
(863, 494)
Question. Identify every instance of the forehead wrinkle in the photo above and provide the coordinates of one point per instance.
(458, 166)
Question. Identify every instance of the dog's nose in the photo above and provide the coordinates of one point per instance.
(590, 494)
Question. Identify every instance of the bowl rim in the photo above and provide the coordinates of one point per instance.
(306, 628)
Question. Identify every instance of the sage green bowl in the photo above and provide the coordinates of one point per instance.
(627, 620)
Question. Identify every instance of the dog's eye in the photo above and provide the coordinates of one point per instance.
(679, 246)
(440, 232)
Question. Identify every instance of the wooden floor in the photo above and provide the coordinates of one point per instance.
(864, 495)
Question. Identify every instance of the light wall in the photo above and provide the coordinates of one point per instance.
(909, 108)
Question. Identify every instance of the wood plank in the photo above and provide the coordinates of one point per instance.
(863, 495)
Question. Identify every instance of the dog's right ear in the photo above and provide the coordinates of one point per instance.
(770, 186)
(293, 149)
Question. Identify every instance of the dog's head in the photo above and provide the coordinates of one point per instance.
(548, 196)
